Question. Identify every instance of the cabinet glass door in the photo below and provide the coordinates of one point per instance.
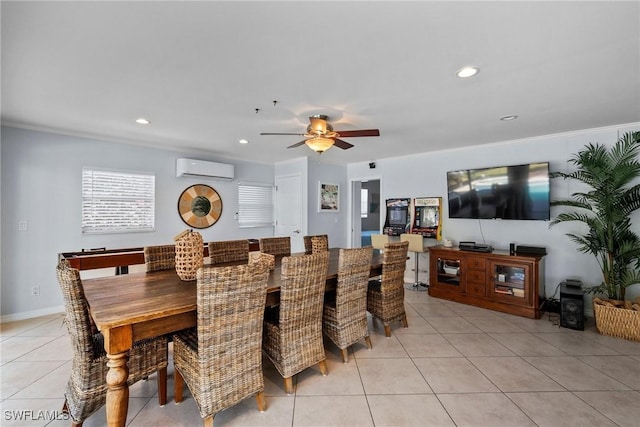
(510, 281)
(449, 271)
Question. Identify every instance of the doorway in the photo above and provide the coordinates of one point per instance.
(366, 211)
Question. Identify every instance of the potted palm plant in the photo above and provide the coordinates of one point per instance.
(611, 178)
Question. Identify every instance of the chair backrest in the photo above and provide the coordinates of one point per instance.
(379, 240)
(394, 263)
(230, 309)
(319, 244)
(354, 266)
(301, 297)
(161, 257)
(79, 323)
(278, 246)
(416, 242)
(261, 257)
(229, 251)
(308, 245)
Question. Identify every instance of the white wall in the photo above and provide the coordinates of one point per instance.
(41, 184)
(424, 175)
(333, 224)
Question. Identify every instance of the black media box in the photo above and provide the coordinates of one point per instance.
(531, 250)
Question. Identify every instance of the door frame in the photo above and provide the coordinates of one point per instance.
(354, 206)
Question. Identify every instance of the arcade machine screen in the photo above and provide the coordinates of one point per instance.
(397, 221)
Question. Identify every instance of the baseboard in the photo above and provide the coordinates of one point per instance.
(31, 314)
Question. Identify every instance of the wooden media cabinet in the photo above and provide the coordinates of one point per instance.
(497, 281)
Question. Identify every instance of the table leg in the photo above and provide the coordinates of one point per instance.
(118, 391)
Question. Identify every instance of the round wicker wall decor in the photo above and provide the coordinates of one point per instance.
(200, 206)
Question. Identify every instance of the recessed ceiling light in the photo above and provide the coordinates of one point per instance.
(142, 121)
(509, 117)
(465, 72)
(243, 141)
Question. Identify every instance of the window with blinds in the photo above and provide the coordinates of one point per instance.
(117, 202)
(364, 203)
(255, 205)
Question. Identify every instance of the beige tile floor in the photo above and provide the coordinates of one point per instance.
(455, 365)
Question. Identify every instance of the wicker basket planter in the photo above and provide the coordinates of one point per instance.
(617, 321)
(189, 254)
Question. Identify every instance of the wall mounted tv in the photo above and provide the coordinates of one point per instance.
(505, 192)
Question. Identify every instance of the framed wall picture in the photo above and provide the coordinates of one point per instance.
(200, 206)
(328, 197)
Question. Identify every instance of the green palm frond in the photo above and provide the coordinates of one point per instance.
(606, 208)
(629, 201)
(630, 277)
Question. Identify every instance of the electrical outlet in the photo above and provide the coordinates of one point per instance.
(22, 225)
(35, 290)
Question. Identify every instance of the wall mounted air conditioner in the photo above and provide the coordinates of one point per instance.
(202, 168)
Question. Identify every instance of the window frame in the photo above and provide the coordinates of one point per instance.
(364, 203)
(105, 211)
(266, 207)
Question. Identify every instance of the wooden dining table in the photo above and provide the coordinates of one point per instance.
(131, 307)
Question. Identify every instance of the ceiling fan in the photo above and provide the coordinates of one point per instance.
(321, 136)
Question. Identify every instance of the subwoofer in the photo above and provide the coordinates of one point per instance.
(571, 307)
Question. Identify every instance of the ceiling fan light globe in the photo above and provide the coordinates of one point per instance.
(319, 144)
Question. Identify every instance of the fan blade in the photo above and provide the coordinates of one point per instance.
(342, 144)
(354, 133)
(297, 144)
(272, 133)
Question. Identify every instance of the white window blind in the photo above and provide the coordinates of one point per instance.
(117, 202)
(255, 205)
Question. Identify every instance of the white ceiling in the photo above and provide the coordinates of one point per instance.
(198, 71)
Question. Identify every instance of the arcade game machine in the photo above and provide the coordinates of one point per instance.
(426, 217)
(398, 217)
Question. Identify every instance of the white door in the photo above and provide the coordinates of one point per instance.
(289, 212)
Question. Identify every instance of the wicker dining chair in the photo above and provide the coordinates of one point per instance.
(221, 359)
(344, 318)
(268, 259)
(229, 251)
(385, 297)
(278, 246)
(292, 337)
(86, 390)
(319, 244)
(161, 257)
(308, 243)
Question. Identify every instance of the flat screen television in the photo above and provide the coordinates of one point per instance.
(518, 192)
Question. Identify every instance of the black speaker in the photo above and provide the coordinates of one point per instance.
(571, 307)
(531, 250)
